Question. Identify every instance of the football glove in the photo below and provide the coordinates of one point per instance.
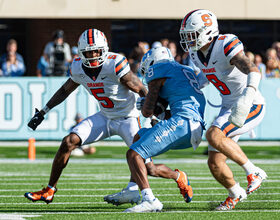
(160, 107)
(36, 120)
(241, 108)
(140, 102)
(154, 121)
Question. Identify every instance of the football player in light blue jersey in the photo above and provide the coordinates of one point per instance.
(178, 86)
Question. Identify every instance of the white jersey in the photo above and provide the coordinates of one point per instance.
(229, 80)
(115, 99)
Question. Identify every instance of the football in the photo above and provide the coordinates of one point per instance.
(161, 106)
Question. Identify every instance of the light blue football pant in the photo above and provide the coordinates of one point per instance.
(175, 133)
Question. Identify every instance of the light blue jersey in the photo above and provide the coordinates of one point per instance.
(180, 89)
(187, 103)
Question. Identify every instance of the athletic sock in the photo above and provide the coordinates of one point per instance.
(132, 186)
(234, 191)
(249, 167)
(51, 187)
(177, 175)
(147, 194)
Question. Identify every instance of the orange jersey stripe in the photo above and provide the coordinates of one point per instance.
(256, 111)
(138, 119)
(120, 66)
(228, 128)
(231, 45)
(90, 40)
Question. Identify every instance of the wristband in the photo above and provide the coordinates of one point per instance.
(46, 109)
(253, 80)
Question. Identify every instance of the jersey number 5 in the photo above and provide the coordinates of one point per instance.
(218, 84)
(104, 101)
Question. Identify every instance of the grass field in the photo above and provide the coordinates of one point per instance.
(86, 180)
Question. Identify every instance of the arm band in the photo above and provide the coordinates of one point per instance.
(254, 79)
(46, 109)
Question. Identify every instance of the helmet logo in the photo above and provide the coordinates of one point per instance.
(207, 20)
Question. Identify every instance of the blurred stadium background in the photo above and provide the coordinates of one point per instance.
(125, 23)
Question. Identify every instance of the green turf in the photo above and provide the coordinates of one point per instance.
(84, 183)
(268, 152)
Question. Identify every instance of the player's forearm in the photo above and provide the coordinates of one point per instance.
(151, 99)
(137, 87)
(55, 100)
(243, 63)
(134, 84)
(149, 104)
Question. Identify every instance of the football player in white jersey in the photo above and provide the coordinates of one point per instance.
(222, 62)
(107, 77)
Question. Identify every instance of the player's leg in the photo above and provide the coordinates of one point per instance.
(217, 139)
(228, 146)
(255, 175)
(223, 174)
(60, 161)
(139, 174)
(127, 129)
(157, 170)
(69, 143)
(153, 143)
(89, 130)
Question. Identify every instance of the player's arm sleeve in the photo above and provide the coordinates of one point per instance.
(202, 80)
(200, 76)
(232, 46)
(157, 72)
(121, 66)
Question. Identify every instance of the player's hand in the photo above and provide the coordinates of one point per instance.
(241, 109)
(140, 102)
(154, 122)
(36, 120)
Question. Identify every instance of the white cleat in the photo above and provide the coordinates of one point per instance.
(255, 180)
(146, 206)
(123, 197)
(230, 202)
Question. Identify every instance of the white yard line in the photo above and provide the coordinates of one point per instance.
(187, 211)
(160, 195)
(6, 178)
(124, 182)
(9, 216)
(123, 161)
(118, 189)
(121, 143)
(100, 203)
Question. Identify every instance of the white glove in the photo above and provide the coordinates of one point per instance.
(140, 102)
(241, 108)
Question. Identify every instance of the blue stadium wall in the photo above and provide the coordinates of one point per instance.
(20, 96)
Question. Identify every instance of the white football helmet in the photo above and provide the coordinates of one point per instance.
(92, 39)
(198, 28)
(153, 56)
